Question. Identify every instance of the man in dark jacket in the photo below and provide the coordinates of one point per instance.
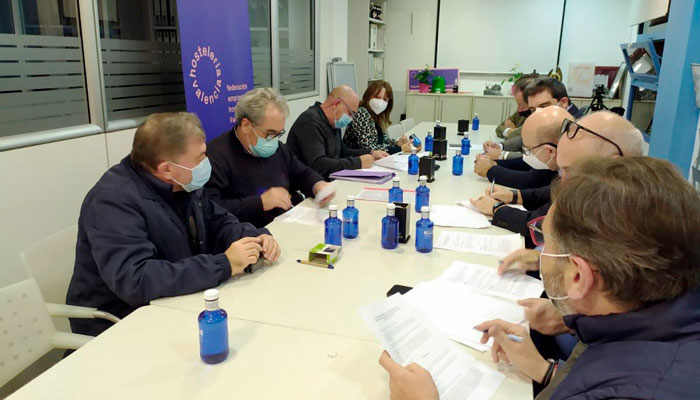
(628, 284)
(146, 230)
(315, 135)
(254, 175)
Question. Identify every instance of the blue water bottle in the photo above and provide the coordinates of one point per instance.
(213, 329)
(457, 164)
(413, 163)
(466, 145)
(424, 231)
(333, 226)
(429, 143)
(422, 194)
(416, 141)
(475, 122)
(390, 228)
(351, 220)
(396, 193)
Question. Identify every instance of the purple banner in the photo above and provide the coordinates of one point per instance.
(217, 66)
(450, 75)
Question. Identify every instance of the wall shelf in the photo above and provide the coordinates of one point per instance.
(375, 51)
(377, 21)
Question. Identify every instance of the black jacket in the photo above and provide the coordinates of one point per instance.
(519, 179)
(138, 241)
(317, 144)
(536, 201)
(239, 178)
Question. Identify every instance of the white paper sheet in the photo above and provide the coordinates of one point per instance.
(457, 217)
(377, 168)
(304, 215)
(468, 204)
(409, 338)
(486, 280)
(455, 310)
(373, 195)
(490, 245)
(398, 161)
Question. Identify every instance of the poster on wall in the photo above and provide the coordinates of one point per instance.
(217, 66)
(694, 174)
(451, 76)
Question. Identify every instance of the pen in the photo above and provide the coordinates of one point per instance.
(512, 337)
(492, 185)
(329, 266)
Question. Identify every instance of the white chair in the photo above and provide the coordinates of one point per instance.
(26, 330)
(408, 124)
(395, 131)
(50, 263)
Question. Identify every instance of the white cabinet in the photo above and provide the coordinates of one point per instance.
(491, 110)
(422, 107)
(452, 109)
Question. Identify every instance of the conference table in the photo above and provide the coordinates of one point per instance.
(295, 330)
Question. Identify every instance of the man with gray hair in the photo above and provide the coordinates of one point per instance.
(146, 230)
(255, 176)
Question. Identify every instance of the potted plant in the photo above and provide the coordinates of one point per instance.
(513, 78)
(423, 79)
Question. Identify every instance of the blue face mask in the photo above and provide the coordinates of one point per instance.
(265, 147)
(200, 175)
(343, 121)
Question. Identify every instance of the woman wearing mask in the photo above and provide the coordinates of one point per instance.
(368, 126)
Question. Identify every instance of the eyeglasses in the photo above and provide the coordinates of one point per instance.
(527, 151)
(536, 233)
(270, 135)
(571, 128)
(352, 113)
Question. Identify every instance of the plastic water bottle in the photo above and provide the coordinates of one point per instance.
(416, 140)
(422, 193)
(351, 220)
(390, 228)
(213, 329)
(396, 193)
(429, 143)
(424, 231)
(413, 163)
(466, 145)
(333, 226)
(475, 122)
(457, 164)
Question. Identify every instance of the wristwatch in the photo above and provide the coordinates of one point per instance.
(515, 196)
(497, 206)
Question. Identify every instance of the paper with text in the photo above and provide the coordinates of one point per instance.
(486, 280)
(304, 215)
(468, 204)
(490, 245)
(457, 217)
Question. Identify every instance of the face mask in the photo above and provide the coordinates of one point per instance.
(378, 105)
(265, 147)
(534, 162)
(525, 113)
(343, 121)
(542, 277)
(200, 175)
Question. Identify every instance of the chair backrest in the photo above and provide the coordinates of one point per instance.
(408, 124)
(25, 328)
(395, 131)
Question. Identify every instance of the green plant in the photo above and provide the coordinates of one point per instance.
(424, 75)
(513, 78)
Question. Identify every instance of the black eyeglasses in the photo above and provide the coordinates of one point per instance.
(571, 128)
(270, 135)
(527, 151)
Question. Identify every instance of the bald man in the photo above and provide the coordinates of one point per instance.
(315, 137)
(540, 134)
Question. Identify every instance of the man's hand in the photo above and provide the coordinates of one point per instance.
(544, 317)
(243, 253)
(367, 160)
(493, 154)
(270, 248)
(522, 260)
(509, 124)
(412, 382)
(500, 193)
(378, 154)
(406, 147)
(402, 141)
(484, 204)
(276, 197)
(522, 354)
(482, 165)
(490, 144)
(318, 187)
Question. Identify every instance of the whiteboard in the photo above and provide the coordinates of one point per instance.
(495, 35)
(341, 74)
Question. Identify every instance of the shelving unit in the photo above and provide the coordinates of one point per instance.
(367, 50)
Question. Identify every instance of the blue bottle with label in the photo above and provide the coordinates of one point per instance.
(390, 228)
(413, 163)
(429, 143)
(333, 227)
(457, 163)
(475, 122)
(416, 141)
(422, 193)
(213, 329)
(466, 145)
(351, 220)
(396, 193)
(424, 232)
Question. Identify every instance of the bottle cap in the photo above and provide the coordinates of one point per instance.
(396, 179)
(333, 207)
(437, 122)
(425, 209)
(458, 152)
(211, 294)
(423, 179)
(476, 114)
(390, 206)
(351, 198)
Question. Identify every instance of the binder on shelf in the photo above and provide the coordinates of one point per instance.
(156, 12)
(373, 34)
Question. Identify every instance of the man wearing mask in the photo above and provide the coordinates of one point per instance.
(510, 128)
(626, 282)
(147, 230)
(315, 137)
(255, 176)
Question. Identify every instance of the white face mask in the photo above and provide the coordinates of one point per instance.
(378, 105)
(542, 277)
(534, 162)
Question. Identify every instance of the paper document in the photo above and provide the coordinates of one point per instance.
(490, 245)
(359, 175)
(377, 194)
(398, 161)
(468, 204)
(376, 168)
(486, 280)
(457, 217)
(408, 338)
(455, 310)
(304, 215)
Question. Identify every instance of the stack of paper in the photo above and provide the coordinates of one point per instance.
(304, 215)
(398, 161)
(490, 245)
(377, 177)
(377, 194)
(458, 217)
(483, 279)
